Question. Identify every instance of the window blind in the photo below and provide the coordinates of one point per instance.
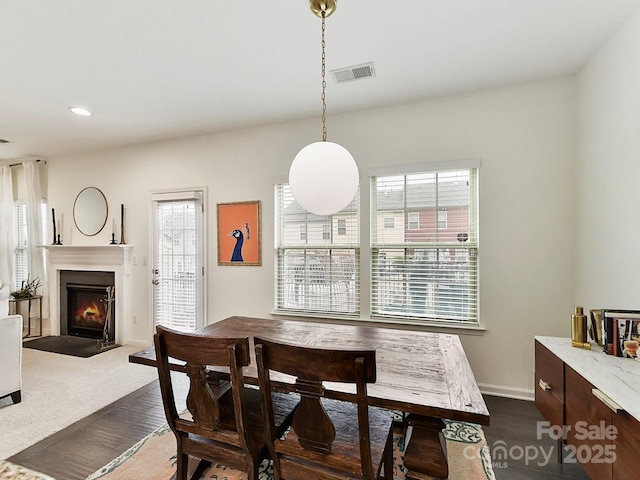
(317, 258)
(177, 262)
(424, 262)
(22, 245)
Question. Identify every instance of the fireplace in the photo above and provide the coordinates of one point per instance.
(83, 303)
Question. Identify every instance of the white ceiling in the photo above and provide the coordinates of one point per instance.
(154, 69)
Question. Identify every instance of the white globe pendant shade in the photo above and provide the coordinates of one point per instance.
(324, 178)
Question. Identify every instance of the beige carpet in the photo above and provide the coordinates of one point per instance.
(59, 390)
(154, 458)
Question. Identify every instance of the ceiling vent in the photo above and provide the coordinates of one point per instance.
(357, 72)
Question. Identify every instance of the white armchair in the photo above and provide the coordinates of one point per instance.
(11, 357)
(4, 299)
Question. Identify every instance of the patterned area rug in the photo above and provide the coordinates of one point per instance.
(9, 471)
(154, 458)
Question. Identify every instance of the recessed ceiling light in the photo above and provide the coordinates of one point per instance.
(80, 111)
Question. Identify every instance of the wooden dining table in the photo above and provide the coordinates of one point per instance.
(424, 375)
(419, 373)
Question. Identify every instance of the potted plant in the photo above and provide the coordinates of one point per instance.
(27, 289)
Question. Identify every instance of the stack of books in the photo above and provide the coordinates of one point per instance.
(621, 332)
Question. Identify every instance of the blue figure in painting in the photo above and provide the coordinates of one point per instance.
(237, 250)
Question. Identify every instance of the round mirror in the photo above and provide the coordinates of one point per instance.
(90, 211)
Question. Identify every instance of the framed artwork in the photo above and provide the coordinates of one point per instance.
(239, 232)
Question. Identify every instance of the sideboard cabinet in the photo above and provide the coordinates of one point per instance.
(595, 398)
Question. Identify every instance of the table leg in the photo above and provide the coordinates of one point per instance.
(426, 454)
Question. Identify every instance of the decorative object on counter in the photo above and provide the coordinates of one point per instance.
(621, 332)
(122, 224)
(595, 327)
(113, 239)
(58, 242)
(579, 329)
(53, 219)
(27, 288)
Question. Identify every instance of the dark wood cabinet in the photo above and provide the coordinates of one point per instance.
(588, 421)
(549, 385)
(627, 447)
(600, 434)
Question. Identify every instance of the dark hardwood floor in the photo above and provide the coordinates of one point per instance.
(84, 447)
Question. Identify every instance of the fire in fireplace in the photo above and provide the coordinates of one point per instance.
(83, 306)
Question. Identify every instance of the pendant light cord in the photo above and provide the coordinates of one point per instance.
(324, 85)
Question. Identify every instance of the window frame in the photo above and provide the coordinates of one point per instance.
(380, 250)
(305, 268)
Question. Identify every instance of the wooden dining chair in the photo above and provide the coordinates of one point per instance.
(227, 427)
(329, 439)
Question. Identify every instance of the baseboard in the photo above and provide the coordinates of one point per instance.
(508, 392)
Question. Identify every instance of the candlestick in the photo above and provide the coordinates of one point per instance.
(122, 223)
(53, 220)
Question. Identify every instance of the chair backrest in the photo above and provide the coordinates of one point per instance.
(199, 351)
(311, 366)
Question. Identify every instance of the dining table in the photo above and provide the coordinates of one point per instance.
(424, 375)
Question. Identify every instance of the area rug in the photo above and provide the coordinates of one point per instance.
(154, 457)
(10, 471)
(58, 390)
(66, 345)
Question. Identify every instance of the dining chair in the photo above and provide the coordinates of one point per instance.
(224, 423)
(329, 439)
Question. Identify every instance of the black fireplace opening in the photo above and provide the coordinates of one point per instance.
(83, 306)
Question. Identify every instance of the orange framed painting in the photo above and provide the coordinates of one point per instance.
(239, 232)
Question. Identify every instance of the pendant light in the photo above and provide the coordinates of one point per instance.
(323, 175)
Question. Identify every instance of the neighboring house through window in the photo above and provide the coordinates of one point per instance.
(316, 274)
(429, 272)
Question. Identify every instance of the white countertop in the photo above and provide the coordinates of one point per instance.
(618, 378)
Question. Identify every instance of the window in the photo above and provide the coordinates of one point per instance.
(316, 274)
(22, 245)
(389, 222)
(413, 220)
(442, 220)
(326, 231)
(428, 271)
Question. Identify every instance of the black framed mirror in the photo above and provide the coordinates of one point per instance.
(90, 211)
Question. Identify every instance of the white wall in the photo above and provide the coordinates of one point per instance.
(608, 174)
(523, 134)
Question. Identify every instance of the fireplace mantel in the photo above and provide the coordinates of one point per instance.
(90, 254)
(108, 258)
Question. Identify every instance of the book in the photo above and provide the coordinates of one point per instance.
(621, 332)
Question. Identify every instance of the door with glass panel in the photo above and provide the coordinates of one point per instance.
(177, 273)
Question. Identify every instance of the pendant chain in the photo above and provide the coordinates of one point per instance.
(324, 85)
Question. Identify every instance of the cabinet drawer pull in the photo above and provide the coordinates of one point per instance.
(544, 385)
(606, 400)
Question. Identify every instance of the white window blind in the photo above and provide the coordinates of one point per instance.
(318, 272)
(177, 262)
(22, 246)
(426, 267)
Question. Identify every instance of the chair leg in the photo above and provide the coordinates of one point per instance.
(16, 397)
(388, 457)
(182, 466)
